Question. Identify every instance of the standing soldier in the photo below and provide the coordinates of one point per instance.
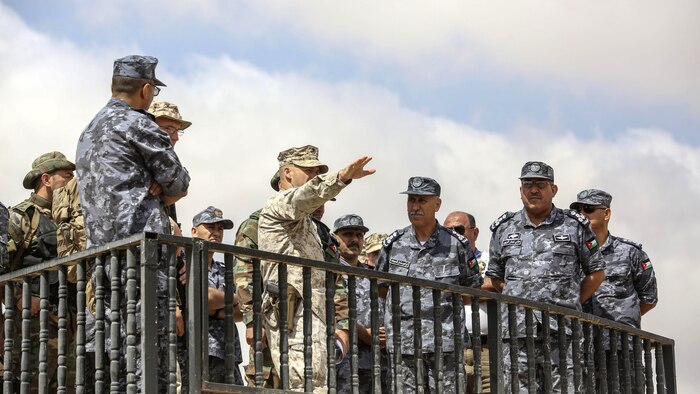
(285, 227)
(426, 250)
(4, 221)
(629, 289)
(127, 173)
(32, 240)
(544, 254)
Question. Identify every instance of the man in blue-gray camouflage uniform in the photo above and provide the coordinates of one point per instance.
(426, 250)
(544, 254)
(209, 225)
(127, 173)
(350, 231)
(629, 289)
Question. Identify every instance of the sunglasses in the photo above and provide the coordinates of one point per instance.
(590, 208)
(461, 230)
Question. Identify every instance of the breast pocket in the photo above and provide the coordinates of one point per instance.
(618, 277)
(564, 260)
(447, 273)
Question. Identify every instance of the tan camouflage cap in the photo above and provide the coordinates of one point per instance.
(164, 109)
(46, 163)
(305, 156)
(374, 242)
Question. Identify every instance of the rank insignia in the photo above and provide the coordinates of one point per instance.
(563, 238)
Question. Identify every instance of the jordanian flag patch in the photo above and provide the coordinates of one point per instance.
(471, 263)
(646, 265)
(592, 244)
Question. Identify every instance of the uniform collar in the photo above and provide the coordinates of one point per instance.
(549, 220)
(608, 242)
(39, 201)
(121, 103)
(432, 240)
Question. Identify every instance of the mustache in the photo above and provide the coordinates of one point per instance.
(415, 213)
(353, 245)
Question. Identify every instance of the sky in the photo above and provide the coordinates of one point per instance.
(465, 92)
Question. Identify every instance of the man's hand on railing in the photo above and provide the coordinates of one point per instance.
(343, 337)
(249, 335)
(179, 322)
(36, 305)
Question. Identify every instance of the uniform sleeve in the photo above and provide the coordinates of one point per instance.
(340, 299)
(497, 265)
(469, 269)
(590, 258)
(644, 278)
(4, 221)
(17, 227)
(302, 201)
(160, 157)
(243, 272)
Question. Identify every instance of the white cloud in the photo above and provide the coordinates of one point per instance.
(244, 116)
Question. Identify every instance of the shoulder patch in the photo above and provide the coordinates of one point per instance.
(501, 219)
(627, 241)
(580, 218)
(23, 207)
(255, 215)
(392, 237)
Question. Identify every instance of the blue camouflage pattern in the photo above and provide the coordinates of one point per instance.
(119, 153)
(544, 263)
(363, 316)
(629, 281)
(137, 66)
(217, 326)
(445, 257)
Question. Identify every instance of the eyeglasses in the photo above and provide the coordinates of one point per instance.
(590, 208)
(171, 130)
(461, 230)
(156, 89)
(537, 184)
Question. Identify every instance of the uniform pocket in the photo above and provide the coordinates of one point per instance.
(564, 260)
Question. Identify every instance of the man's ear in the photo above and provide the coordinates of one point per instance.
(193, 232)
(438, 204)
(555, 189)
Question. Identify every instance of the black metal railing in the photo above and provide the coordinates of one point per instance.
(643, 362)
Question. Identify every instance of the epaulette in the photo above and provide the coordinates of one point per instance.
(460, 237)
(23, 207)
(392, 237)
(627, 241)
(501, 219)
(580, 218)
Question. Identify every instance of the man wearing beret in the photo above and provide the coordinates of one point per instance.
(209, 225)
(32, 240)
(286, 227)
(426, 250)
(350, 231)
(544, 254)
(128, 173)
(629, 289)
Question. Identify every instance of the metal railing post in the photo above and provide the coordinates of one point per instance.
(194, 317)
(493, 308)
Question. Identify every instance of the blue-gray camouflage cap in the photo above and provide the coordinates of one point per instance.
(137, 66)
(211, 215)
(349, 221)
(422, 186)
(592, 197)
(537, 169)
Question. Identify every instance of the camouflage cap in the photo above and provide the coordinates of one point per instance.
(46, 163)
(422, 186)
(137, 66)
(374, 242)
(164, 109)
(537, 169)
(349, 221)
(305, 156)
(211, 215)
(592, 197)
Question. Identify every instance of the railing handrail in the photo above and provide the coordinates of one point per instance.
(341, 269)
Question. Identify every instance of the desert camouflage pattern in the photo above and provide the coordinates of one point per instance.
(629, 281)
(68, 216)
(305, 156)
(168, 110)
(544, 263)
(46, 163)
(445, 257)
(285, 226)
(4, 223)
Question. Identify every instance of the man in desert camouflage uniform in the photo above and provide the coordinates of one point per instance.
(285, 227)
(544, 254)
(209, 225)
(168, 118)
(127, 173)
(32, 240)
(4, 221)
(629, 289)
(426, 250)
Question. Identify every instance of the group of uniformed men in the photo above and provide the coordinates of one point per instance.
(128, 178)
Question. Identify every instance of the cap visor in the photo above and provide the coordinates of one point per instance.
(158, 82)
(418, 193)
(534, 177)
